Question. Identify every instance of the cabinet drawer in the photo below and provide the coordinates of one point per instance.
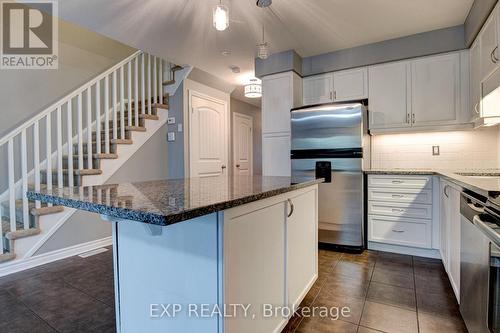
(401, 195)
(400, 231)
(398, 209)
(395, 181)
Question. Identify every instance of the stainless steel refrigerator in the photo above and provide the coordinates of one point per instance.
(331, 141)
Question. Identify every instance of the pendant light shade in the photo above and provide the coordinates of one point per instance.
(221, 17)
(253, 89)
(263, 48)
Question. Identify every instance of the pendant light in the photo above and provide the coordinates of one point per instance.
(221, 17)
(253, 89)
(263, 48)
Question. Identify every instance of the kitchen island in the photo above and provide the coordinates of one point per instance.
(216, 254)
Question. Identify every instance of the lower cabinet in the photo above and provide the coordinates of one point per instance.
(450, 233)
(269, 259)
(400, 210)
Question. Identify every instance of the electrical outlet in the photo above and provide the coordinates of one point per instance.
(170, 136)
(179, 127)
(435, 150)
(171, 120)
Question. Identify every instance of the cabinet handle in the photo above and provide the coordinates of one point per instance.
(291, 207)
(398, 231)
(413, 118)
(398, 196)
(445, 192)
(475, 108)
(407, 118)
(398, 210)
(397, 181)
(493, 58)
(331, 95)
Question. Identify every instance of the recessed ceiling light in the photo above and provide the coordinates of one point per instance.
(234, 69)
(225, 53)
(264, 3)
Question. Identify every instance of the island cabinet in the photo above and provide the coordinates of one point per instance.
(243, 269)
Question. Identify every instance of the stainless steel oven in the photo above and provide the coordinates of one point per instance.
(480, 264)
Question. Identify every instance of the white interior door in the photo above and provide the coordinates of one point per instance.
(242, 144)
(208, 136)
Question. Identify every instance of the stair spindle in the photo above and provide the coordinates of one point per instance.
(129, 92)
(36, 158)
(115, 129)
(48, 150)
(12, 189)
(60, 180)
(149, 85)
(70, 143)
(24, 175)
(136, 90)
(98, 116)
(143, 89)
(160, 81)
(89, 128)
(155, 82)
(122, 104)
(106, 114)
(80, 131)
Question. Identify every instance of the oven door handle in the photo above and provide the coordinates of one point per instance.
(486, 230)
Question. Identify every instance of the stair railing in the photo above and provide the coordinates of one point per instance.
(28, 150)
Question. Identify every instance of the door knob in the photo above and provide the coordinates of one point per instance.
(223, 166)
(237, 165)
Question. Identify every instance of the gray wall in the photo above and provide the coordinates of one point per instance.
(478, 14)
(426, 43)
(83, 54)
(255, 112)
(148, 163)
(176, 148)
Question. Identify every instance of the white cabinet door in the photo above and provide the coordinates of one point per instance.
(276, 155)
(254, 267)
(387, 91)
(435, 90)
(454, 239)
(489, 46)
(302, 245)
(318, 89)
(350, 84)
(475, 79)
(444, 219)
(277, 100)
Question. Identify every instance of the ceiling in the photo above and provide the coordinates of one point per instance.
(181, 30)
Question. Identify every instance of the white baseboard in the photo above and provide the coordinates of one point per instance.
(412, 251)
(22, 264)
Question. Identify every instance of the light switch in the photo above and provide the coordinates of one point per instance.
(179, 127)
(435, 150)
(170, 136)
(171, 120)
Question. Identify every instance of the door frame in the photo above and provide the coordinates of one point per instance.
(242, 115)
(187, 138)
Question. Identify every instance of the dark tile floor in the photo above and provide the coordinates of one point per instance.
(385, 293)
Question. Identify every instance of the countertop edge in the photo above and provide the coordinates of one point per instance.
(162, 220)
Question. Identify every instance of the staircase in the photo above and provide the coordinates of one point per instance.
(80, 140)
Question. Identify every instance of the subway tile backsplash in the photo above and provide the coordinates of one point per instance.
(478, 149)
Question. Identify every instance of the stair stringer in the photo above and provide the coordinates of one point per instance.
(26, 247)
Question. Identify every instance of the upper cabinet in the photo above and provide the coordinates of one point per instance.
(419, 94)
(489, 46)
(318, 89)
(435, 90)
(475, 80)
(350, 85)
(339, 86)
(280, 93)
(387, 98)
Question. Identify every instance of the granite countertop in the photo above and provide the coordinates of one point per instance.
(165, 202)
(483, 181)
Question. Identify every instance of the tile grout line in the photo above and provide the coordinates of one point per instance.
(415, 291)
(366, 295)
(32, 311)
